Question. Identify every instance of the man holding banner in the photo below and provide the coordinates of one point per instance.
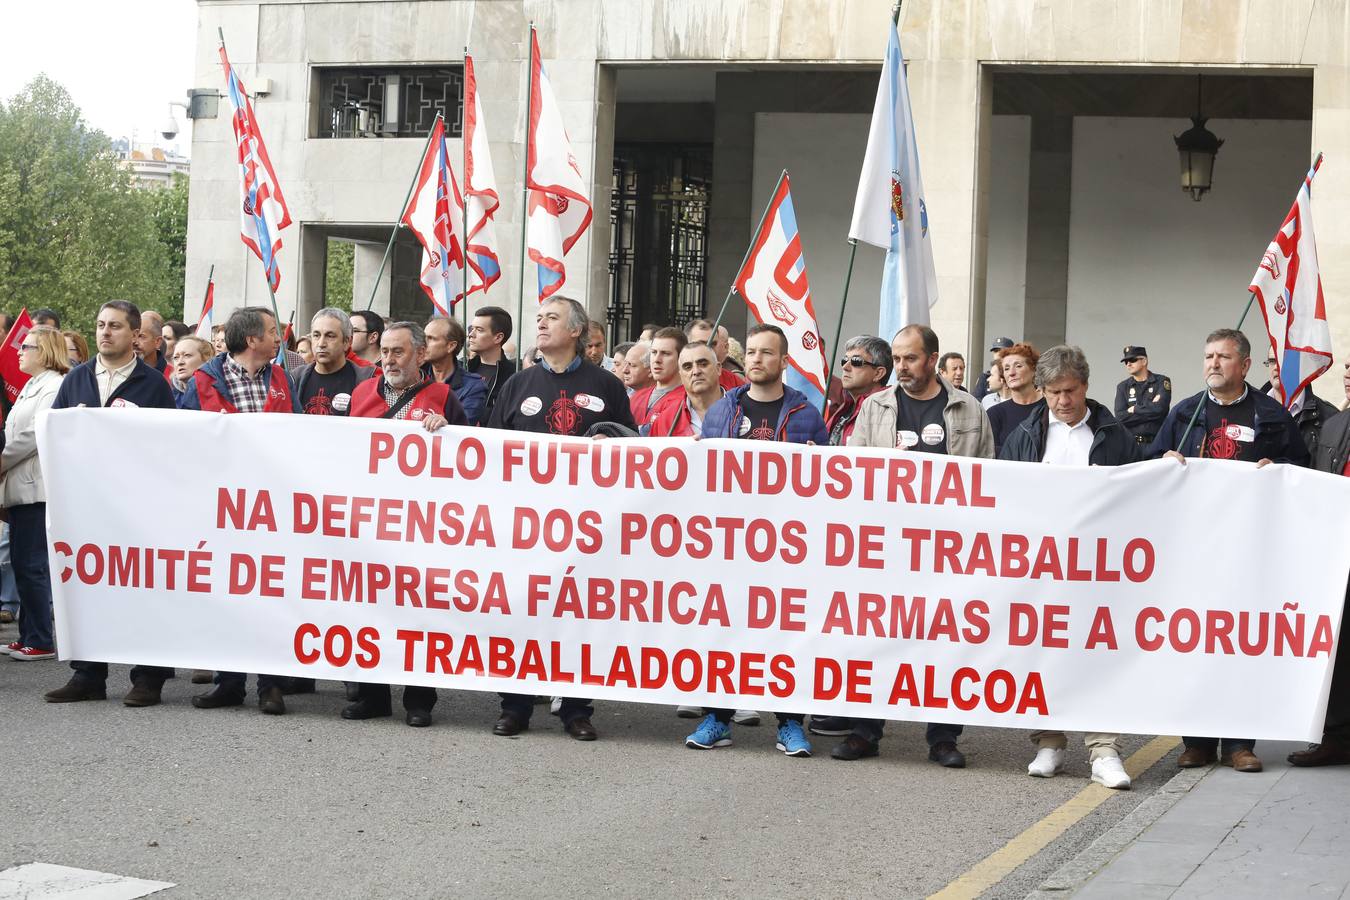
(564, 395)
(1237, 423)
(118, 379)
(924, 414)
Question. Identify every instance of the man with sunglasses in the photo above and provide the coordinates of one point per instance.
(1142, 399)
(864, 370)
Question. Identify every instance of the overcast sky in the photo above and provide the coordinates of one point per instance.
(121, 62)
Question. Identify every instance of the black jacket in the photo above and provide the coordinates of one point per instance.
(505, 369)
(1112, 442)
(1333, 448)
(1277, 436)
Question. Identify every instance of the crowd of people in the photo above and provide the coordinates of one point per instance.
(900, 394)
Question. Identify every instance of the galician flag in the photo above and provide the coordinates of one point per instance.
(263, 210)
(1288, 285)
(889, 211)
(558, 210)
(773, 284)
(435, 215)
(480, 187)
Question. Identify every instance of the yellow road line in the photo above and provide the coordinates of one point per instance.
(997, 865)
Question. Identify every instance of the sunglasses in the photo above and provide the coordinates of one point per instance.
(855, 361)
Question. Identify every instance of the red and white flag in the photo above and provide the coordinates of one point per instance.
(435, 214)
(558, 210)
(480, 187)
(263, 210)
(1288, 285)
(773, 284)
(15, 378)
(206, 320)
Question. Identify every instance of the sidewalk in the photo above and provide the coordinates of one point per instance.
(1282, 833)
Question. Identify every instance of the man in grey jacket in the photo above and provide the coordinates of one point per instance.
(924, 414)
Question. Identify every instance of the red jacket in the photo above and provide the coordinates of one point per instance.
(436, 397)
(729, 379)
(207, 390)
(667, 410)
(845, 412)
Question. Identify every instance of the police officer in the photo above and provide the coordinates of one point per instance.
(982, 383)
(1143, 399)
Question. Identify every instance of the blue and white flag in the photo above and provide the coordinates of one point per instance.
(1288, 286)
(889, 211)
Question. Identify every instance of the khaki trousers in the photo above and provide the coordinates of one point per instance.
(1098, 744)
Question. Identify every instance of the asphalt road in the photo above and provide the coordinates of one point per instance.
(232, 803)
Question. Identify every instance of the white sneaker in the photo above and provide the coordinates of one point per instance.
(1108, 772)
(1047, 764)
(555, 705)
(689, 712)
(745, 717)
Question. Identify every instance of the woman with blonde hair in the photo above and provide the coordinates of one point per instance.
(189, 355)
(43, 356)
(77, 347)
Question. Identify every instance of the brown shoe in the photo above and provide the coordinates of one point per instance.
(6, 617)
(1327, 753)
(581, 729)
(142, 693)
(202, 676)
(77, 689)
(1195, 757)
(272, 702)
(1242, 761)
(509, 725)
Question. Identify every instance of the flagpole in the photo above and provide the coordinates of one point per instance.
(839, 329)
(1251, 298)
(525, 197)
(398, 223)
(207, 293)
(464, 201)
(754, 236)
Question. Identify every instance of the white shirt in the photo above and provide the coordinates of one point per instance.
(1068, 445)
(110, 380)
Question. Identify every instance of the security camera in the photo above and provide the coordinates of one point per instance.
(170, 128)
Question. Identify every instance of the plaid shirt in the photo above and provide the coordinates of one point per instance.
(391, 396)
(249, 392)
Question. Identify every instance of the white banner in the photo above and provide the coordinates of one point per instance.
(720, 573)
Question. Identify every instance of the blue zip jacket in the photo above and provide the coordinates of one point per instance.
(215, 367)
(144, 387)
(471, 390)
(798, 421)
(1277, 436)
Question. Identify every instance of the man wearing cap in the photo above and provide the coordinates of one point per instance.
(1143, 399)
(982, 383)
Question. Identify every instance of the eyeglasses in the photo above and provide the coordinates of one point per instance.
(1269, 363)
(855, 361)
(1133, 359)
(360, 331)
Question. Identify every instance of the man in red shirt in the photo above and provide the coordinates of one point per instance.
(665, 389)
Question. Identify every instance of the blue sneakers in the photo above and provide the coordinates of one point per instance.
(792, 741)
(710, 733)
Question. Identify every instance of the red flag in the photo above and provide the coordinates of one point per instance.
(205, 322)
(14, 377)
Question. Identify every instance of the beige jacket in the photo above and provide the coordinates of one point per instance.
(19, 461)
(968, 429)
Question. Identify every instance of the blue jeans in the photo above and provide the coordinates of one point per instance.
(28, 550)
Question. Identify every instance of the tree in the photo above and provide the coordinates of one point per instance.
(169, 208)
(74, 231)
(337, 282)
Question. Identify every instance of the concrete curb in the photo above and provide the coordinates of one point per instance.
(1069, 877)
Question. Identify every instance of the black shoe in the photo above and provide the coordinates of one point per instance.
(418, 718)
(854, 747)
(364, 709)
(830, 726)
(353, 691)
(77, 689)
(581, 729)
(509, 725)
(143, 693)
(271, 701)
(297, 686)
(945, 753)
(219, 696)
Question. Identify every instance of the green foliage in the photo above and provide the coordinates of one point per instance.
(337, 282)
(74, 232)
